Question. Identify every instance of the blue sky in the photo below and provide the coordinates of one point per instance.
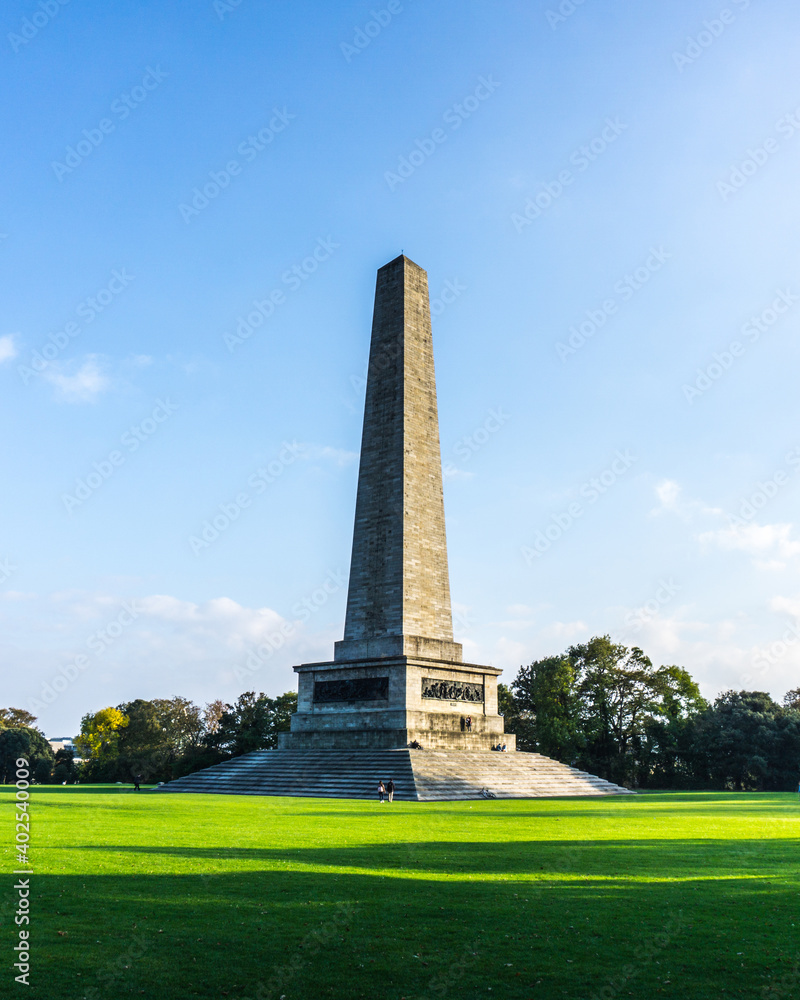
(605, 200)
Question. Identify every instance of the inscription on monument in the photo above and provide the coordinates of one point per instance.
(451, 690)
(356, 689)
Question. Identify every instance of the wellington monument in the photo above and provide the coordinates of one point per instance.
(398, 676)
(397, 679)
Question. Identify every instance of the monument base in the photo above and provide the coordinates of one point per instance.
(393, 695)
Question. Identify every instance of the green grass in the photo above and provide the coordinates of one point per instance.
(165, 896)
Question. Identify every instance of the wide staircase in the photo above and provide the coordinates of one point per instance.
(419, 775)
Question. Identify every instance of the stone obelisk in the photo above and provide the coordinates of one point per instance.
(397, 675)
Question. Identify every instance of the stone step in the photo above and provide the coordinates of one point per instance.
(419, 775)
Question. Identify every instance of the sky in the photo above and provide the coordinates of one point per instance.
(197, 196)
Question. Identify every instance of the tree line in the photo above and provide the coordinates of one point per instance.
(605, 708)
(600, 706)
(148, 741)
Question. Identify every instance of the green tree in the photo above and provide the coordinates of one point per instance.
(746, 741)
(791, 699)
(182, 724)
(145, 748)
(13, 718)
(22, 741)
(621, 695)
(547, 708)
(65, 769)
(605, 707)
(253, 723)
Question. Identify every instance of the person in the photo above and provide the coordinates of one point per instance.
(469, 723)
(136, 778)
(390, 789)
(463, 723)
(381, 791)
(505, 748)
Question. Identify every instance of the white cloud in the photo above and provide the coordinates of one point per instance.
(451, 471)
(8, 349)
(668, 493)
(766, 540)
(671, 501)
(338, 456)
(789, 605)
(147, 647)
(78, 385)
(565, 632)
(521, 610)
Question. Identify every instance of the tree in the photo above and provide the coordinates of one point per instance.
(143, 748)
(43, 771)
(606, 708)
(746, 741)
(13, 718)
(98, 743)
(253, 723)
(65, 769)
(212, 713)
(547, 706)
(622, 694)
(22, 741)
(182, 723)
(792, 699)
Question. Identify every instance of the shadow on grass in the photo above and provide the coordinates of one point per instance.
(319, 934)
(39, 790)
(615, 859)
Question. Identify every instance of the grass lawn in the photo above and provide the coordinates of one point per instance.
(161, 895)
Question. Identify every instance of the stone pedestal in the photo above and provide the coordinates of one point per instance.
(388, 702)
